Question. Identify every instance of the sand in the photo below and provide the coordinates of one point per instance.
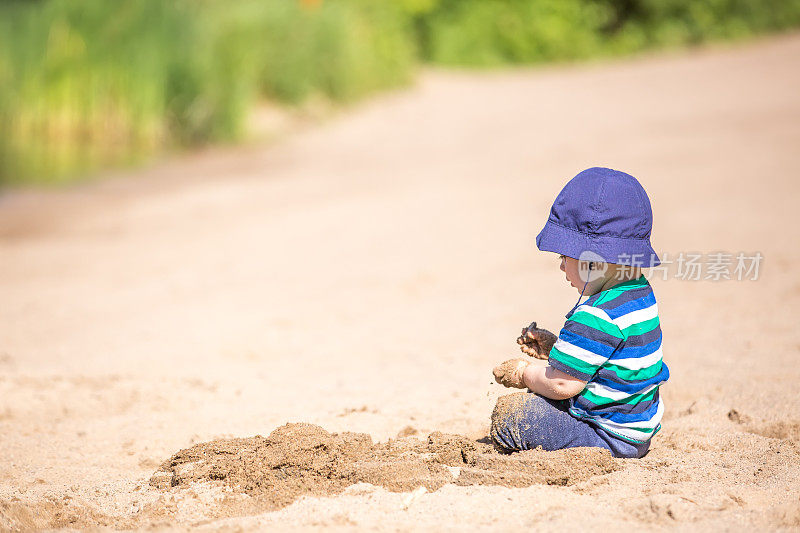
(304, 459)
(363, 277)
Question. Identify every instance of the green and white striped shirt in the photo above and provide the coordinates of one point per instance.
(613, 342)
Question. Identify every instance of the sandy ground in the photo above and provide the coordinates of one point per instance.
(365, 275)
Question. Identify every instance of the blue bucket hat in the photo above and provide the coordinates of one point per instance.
(605, 212)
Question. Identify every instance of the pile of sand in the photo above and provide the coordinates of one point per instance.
(299, 459)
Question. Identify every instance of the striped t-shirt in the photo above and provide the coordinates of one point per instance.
(613, 342)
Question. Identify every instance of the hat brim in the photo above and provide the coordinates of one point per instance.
(633, 252)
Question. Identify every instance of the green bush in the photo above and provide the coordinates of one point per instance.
(342, 49)
(98, 83)
(491, 32)
(92, 83)
(680, 22)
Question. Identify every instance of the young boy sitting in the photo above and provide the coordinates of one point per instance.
(597, 384)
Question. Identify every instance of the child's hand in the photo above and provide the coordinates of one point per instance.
(509, 373)
(536, 342)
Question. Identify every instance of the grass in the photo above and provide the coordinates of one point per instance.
(91, 83)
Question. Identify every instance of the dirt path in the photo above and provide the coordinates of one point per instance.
(366, 275)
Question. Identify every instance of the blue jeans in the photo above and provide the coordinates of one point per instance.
(524, 420)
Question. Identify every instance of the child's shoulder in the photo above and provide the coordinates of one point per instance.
(623, 298)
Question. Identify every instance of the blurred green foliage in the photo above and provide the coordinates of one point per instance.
(92, 83)
(491, 32)
(680, 22)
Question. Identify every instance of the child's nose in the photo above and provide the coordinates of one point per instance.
(562, 266)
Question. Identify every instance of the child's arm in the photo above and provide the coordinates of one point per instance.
(538, 376)
(554, 384)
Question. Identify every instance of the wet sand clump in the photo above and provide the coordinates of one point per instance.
(299, 459)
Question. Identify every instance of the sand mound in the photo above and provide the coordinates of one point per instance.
(299, 459)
